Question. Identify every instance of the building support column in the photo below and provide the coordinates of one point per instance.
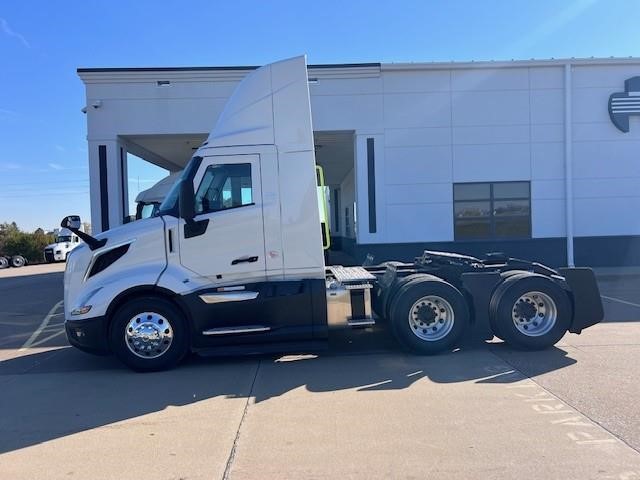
(108, 180)
(568, 163)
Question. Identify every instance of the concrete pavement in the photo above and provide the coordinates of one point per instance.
(27, 295)
(361, 410)
(32, 270)
(465, 415)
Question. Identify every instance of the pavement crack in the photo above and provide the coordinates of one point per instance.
(232, 454)
(566, 402)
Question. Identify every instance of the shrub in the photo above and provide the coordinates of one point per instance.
(29, 245)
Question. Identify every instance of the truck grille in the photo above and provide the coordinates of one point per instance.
(48, 254)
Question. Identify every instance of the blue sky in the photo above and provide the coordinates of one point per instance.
(43, 155)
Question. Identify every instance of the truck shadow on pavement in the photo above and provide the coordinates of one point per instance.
(56, 393)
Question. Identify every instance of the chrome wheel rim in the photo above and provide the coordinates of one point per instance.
(534, 314)
(148, 335)
(431, 318)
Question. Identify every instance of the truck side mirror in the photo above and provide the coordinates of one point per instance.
(187, 200)
(72, 222)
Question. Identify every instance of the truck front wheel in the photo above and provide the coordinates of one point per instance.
(429, 316)
(531, 312)
(149, 334)
(4, 263)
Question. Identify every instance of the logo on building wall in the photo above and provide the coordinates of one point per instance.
(624, 104)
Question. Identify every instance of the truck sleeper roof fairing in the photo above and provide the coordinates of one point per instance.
(269, 107)
(158, 192)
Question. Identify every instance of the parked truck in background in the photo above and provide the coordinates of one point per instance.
(148, 201)
(233, 260)
(65, 242)
(15, 261)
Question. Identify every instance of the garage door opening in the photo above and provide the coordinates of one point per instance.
(335, 153)
(153, 163)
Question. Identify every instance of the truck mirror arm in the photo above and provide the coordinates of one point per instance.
(92, 242)
(72, 222)
(187, 204)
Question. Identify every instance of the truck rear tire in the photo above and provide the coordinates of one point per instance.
(149, 334)
(428, 315)
(504, 275)
(18, 261)
(390, 293)
(4, 263)
(530, 312)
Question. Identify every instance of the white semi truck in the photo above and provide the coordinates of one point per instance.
(58, 251)
(148, 201)
(233, 260)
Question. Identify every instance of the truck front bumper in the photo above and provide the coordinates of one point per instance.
(89, 335)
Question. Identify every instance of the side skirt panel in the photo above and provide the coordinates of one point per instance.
(284, 311)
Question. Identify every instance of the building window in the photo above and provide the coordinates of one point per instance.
(492, 210)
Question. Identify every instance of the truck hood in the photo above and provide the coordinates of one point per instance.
(146, 250)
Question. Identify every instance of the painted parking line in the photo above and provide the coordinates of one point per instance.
(46, 339)
(613, 299)
(42, 326)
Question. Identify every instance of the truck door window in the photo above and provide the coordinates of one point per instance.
(224, 186)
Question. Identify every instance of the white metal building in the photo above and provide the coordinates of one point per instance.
(525, 157)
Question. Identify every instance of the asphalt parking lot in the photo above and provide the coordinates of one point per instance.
(363, 409)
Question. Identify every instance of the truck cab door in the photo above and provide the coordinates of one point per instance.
(225, 243)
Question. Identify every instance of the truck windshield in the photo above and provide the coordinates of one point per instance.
(64, 238)
(170, 203)
(169, 206)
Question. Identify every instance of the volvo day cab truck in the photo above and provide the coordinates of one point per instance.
(233, 260)
(58, 251)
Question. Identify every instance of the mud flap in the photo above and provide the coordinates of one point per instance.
(480, 287)
(587, 303)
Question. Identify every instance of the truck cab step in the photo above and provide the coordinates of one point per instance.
(361, 322)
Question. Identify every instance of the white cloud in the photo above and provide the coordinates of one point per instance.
(60, 148)
(9, 32)
(56, 166)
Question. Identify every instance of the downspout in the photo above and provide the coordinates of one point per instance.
(568, 163)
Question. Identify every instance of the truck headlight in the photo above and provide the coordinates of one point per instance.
(81, 310)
